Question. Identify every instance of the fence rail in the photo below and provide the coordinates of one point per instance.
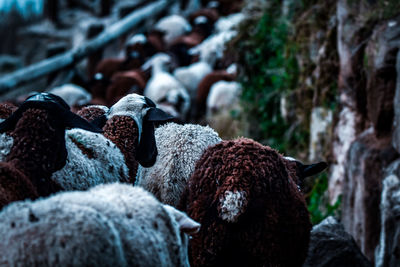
(45, 67)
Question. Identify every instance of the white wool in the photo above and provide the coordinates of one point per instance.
(232, 204)
(172, 97)
(223, 95)
(191, 76)
(213, 47)
(139, 38)
(6, 142)
(116, 218)
(104, 108)
(173, 26)
(81, 171)
(162, 85)
(229, 23)
(232, 69)
(179, 148)
(73, 94)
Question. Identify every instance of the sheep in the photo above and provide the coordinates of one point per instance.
(146, 44)
(123, 83)
(38, 147)
(180, 147)
(74, 95)
(173, 26)
(301, 171)
(249, 206)
(229, 23)
(110, 225)
(212, 48)
(163, 87)
(204, 87)
(105, 70)
(211, 13)
(127, 139)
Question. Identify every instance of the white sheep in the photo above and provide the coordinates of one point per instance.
(163, 87)
(228, 23)
(180, 147)
(110, 225)
(74, 95)
(173, 26)
(222, 105)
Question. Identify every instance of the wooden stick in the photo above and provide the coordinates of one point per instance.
(56, 63)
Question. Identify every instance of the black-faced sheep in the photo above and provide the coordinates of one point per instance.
(127, 140)
(110, 225)
(249, 206)
(38, 147)
(180, 147)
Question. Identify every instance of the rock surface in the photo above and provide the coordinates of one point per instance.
(388, 252)
(367, 158)
(332, 246)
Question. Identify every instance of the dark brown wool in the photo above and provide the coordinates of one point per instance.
(210, 13)
(204, 87)
(90, 113)
(123, 132)
(272, 227)
(123, 83)
(6, 109)
(37, 152)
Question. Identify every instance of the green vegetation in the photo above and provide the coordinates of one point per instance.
(270, 72)
(318, 203)
(268, 50)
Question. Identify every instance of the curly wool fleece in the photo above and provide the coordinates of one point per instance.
(250, 209)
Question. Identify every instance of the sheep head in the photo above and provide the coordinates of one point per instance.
(144, 112)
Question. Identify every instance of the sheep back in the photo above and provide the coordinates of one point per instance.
(110, 225)
(92, 160)
(50, 233)
(249, 207)
(179, 148)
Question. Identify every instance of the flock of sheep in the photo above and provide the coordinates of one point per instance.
(125, 181)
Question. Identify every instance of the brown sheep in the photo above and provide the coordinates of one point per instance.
(123, 83)
(38, 150)
(249, 206)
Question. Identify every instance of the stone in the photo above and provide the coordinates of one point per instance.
(331, 246)
(380, 63)
(396, 121)
(367, 158)
(320, 129)
(387, 254)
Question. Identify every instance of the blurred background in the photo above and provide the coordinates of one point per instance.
(314, 79)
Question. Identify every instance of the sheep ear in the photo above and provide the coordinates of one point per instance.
(10, 123)
(186, 224)
(75, 121)
(100, 121)
(157, 115)
(312, 169)
(147, 152)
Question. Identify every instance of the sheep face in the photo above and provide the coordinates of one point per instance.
(144, 112)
